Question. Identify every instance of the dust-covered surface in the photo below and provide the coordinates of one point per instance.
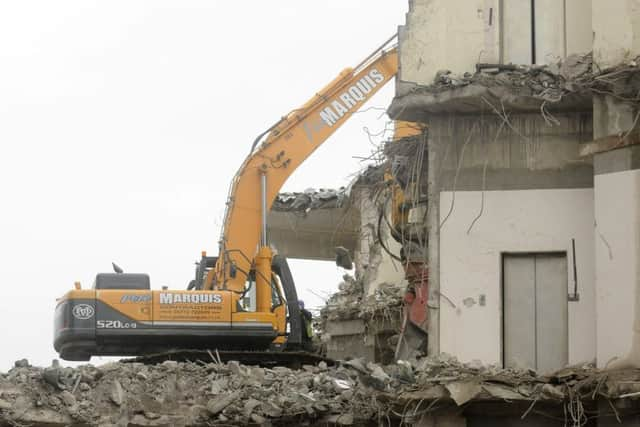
(351, 393)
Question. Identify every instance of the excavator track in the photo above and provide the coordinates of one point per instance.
(267, 359)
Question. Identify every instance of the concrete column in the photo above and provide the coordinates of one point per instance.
(617, 252)
(616, 29)
(617, 236)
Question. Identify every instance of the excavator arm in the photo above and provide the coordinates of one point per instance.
(243, 243)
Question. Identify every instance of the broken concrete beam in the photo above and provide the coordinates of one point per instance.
(345, 327)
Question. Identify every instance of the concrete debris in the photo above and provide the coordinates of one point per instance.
(310, 199)
(343, 258)
(345, 420)
(185, 394)
(355, 324)
(568, 83)
(573, 66)
(117, 394)
(351, 393)
(549, 82)
(372, 175)
(350, 302)
(220, 403)
(463, 391)
(402, 156)
(22, 363)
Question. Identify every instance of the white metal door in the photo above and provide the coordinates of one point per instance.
(535, 330)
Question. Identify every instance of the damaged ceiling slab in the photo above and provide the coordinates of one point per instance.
(567, 85)
(311, 224)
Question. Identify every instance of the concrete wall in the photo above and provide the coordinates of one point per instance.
(447, 34)
(578, 26)
(616, 29)
(562, 27)
(470, 264)
(617, 215)
(550, 30)
(538, 196)
(456, 34)
(516, 37)
(616, 26)
(531, 155)
(536, 166)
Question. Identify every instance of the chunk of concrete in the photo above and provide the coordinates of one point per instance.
(345, 420)
(68, 398)
(250, 405)
(4, 405)
(52, 376)
(343, 258)
(462, 391)
(22, 363)
(117, 393)
(258, 419)
(220, 403)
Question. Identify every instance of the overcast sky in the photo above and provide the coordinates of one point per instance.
(122, 123)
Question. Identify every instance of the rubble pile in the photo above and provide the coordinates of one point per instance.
(181, 394)
(550, 83)
(345, 303)
(327, 198)
(445, 380)
(403, 157)
(310, 199)
(352, 393)
(350, 302)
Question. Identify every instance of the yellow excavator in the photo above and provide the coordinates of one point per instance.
(244, 298)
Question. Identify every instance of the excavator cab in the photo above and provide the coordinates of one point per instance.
(284, 298)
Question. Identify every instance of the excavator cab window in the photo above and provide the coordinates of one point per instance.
(276, 295)
(248, 300)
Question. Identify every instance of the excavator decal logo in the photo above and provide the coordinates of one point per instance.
(348, 99)
(83, 311)
(341, 106)
(135, 299)
(175, 298)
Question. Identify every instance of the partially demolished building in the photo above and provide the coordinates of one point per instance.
(525, 198)
(531, 110)
(521, 209)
